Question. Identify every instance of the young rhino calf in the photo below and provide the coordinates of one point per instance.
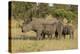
(49, 30)
(68, 30)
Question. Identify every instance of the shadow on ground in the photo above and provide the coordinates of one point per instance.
(23, 37)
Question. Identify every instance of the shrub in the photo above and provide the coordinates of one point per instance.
(61, 13)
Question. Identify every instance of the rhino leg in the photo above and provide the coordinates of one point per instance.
(43, 35)
(59, 36)
(50, 36)
(64, 36)
(39, 37)
(56, 35)
(71, 35)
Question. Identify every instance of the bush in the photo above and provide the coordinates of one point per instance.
(70, 16)
(61, 13)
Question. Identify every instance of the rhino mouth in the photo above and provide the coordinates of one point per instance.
(23, 31)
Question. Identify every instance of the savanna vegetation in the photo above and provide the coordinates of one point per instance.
(22, 11)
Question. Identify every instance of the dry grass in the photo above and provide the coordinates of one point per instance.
(42, 45)
(27, 45)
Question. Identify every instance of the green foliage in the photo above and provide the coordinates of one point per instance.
(61, 13)
(42, 10)
(24, 10)
(21, 10)
(28, 10)
(70, 16)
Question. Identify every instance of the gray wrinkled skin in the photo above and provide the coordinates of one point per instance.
(37, 27)
(59, 30)
(40, 26)
(49, 29)
(55, 28)
(44, 27)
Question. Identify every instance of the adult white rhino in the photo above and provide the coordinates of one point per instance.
(38, 25)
